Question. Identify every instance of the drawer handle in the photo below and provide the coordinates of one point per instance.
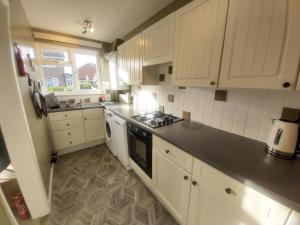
(228, 190)
(85, 118)
(194, 183)
(66, 115)
(68, 124)
(167, 151)
(185, 177)
(71, 142)
(69, 133)
(286, 84)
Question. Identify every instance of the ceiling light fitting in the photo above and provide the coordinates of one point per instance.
(88, 25)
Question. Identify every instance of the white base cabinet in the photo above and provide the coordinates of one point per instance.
(172, 186)
(76, 129)
(93, 124)
(197, 194)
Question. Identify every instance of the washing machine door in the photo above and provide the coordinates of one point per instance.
(107, 130)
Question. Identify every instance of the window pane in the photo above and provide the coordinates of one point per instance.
(55, 55)
(58, 78)
(87, 71)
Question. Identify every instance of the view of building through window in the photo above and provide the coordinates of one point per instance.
(58, 78)
(66, 70)
(87, 71)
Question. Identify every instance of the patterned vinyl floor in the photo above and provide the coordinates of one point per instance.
(91, 187)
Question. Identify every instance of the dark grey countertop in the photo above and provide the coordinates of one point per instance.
(239, 157)
(63, 109)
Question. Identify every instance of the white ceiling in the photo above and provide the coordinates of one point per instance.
(113, 18)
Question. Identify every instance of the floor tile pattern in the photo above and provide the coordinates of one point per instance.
(91, 187)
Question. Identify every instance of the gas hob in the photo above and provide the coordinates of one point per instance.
(156, 119)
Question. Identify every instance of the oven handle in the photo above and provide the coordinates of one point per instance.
(141, 138)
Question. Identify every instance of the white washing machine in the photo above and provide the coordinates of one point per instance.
(109, 123)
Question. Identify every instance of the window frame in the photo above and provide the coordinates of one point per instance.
(71, 51)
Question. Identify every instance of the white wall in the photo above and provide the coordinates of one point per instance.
(21, 33)
(247, 112)
(93, 97)
(15, 124)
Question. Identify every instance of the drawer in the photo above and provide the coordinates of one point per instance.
(65, 115)
(173, 153)
(66, 124)
(93, 113)
(252, 202)
(68, 142)
(67, 133)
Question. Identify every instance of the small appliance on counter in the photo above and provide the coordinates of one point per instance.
(283, 139)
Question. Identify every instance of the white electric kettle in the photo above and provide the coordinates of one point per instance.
(283, 139)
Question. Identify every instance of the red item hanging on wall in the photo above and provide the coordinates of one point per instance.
(20, 60)
(21, 206)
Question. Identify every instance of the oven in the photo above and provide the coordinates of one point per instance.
(140, 147)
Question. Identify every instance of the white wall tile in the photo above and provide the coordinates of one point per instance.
(292, 99)
(217, 114)
(253, 126)
(265, 129)
(247, 112)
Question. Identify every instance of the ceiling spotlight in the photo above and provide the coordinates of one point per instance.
(88, 25)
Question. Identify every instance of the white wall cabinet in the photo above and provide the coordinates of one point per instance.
(294, 219)
(94, 124)
(130, 61)
(261, 47)
(172, 186)
(199, 34)
(158, 42)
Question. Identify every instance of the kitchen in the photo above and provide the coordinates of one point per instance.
(150, 112)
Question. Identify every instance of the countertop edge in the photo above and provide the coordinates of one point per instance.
(248, 182)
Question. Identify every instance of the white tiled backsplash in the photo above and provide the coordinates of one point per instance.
(247, 112)
(93, 97)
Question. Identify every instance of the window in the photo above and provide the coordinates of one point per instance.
(86, 66)
(70, 71)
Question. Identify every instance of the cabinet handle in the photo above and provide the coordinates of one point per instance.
(194, 183)
(69, 133)
(185, 177)
(228, 190)
(212, 83)
(85, 118)
(71, 142)
(167, 151)
(68, 124)
(66, 115)
(286, 84)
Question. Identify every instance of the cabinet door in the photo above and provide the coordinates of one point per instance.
(122, 64)
(199, 34)
(294, 219)
(94, 129)
(158, 42)
(210, 207)
(172, 186)
(261, 48)
(137, 60)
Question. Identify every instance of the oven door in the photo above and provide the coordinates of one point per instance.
(140, 151)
